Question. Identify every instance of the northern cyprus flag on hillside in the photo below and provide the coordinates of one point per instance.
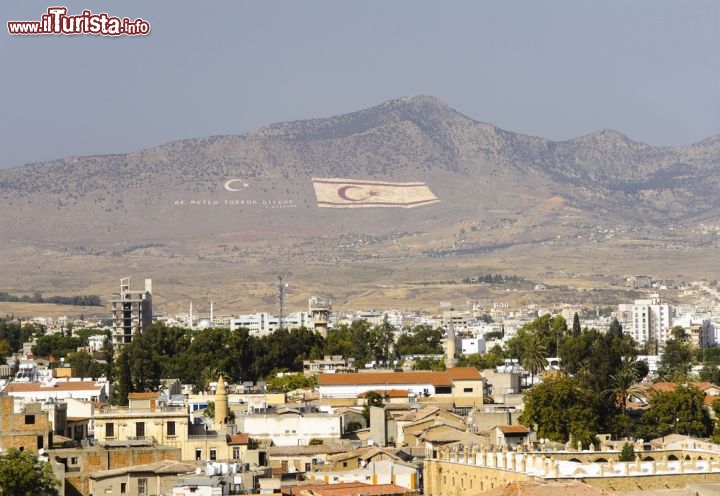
(352, 193)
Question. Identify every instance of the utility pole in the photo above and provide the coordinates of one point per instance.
(282, 286)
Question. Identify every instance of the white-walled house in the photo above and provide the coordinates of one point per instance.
(291, 427)
(60, 389)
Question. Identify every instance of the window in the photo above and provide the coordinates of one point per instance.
(140, 429)
(29, 419)
(142, 485)
(123, 487)
(213, 454)
(171, 428)
(110, 429)
(467, 390)
(198, 454)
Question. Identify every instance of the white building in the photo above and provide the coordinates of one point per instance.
(262, 323)
(650, 320)
(290, 427)
(471, 346)
(59, 389)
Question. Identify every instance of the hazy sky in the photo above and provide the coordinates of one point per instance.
(557, 69)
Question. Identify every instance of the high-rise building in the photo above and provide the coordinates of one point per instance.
(651, 320)
(131, 310)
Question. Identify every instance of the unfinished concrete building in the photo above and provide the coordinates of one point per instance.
(131, 310)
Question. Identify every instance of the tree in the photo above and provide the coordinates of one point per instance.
(124, 382)
(615, 329)
(382, 339)
(533, 357)
(5, 349)
(480, 361)
(350, 341)
(290, 382)
(372, 398)
(676, 358)
(428, 363)
(628, 453)
(420, 340)
(22, 474)
(560, 408)
(576, 329)
(681, 411)
(144, 367)
(83, 365)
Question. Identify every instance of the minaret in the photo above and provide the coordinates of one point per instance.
(221, 403)
(450, 346)
(190, 320)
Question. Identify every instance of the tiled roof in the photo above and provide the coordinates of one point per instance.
(162, 467)
(535, 488)
(237, 439)
(317, 449)
(350, 489)
(400, 378)
(143, 396)
(513, 429)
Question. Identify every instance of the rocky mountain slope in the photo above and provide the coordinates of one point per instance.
(251, 197)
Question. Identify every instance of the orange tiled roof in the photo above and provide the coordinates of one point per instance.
(396, 378)
(351, 489)
(236, 439)
(534, 488)
(143, 396)
(513, 429)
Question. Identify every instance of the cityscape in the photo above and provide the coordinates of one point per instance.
(320, 248)
(440, 402)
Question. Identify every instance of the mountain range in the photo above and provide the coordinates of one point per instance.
(225, 209)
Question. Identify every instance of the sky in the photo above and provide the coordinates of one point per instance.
(556, 69)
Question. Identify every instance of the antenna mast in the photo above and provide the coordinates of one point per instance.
(282, 286)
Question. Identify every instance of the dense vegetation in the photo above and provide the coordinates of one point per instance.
(78, 300)
(598, 373)
(200, 356)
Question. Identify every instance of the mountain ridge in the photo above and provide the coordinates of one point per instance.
(497, 190)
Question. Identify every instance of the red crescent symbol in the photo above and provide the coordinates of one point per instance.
(342, 193)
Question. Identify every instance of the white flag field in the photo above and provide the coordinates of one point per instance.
(353, 193)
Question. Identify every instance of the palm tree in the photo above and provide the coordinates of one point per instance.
(534, 356)
(624, 386)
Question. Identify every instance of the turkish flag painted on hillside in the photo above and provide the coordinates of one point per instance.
(352, 193)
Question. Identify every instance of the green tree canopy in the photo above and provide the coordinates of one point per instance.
(372, 398)
(290, 381)
(22, 474)
(560, 408)
(55, 344)
(676, 358)
(420, 340)
(83, 365)
(680, 411)
(351, 341)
